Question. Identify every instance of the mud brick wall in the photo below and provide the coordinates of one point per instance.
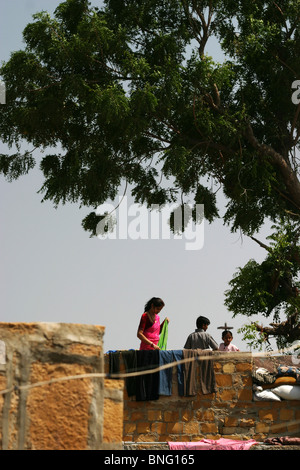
(63, 415)
(229, 413)
(113, 414)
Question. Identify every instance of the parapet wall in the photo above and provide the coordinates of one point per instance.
(73, 414)
(230, 412)
(40, 409)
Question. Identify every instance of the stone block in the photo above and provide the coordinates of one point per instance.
(286, 414)
(224, 380)
(268, 415)
(59, 400)
(229, 368)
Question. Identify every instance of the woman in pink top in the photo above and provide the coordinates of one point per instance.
(227, 337)
(149, 327)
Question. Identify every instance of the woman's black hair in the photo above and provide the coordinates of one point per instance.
(225, 332)
(156, 301)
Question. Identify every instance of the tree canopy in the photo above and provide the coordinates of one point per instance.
(130, 93)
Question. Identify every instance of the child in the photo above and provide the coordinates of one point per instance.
(227, 337)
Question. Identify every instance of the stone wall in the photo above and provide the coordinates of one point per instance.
(229, 413)
(40, 409)
(62, 414)
(113, 413)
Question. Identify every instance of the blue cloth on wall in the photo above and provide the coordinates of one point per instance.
(178, 356)
(165, 375)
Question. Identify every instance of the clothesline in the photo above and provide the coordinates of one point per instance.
(122, 375)
(139, 364)
(215, 356)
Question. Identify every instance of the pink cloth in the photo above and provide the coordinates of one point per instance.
(211, 444)
(150, 331)
(231, 347)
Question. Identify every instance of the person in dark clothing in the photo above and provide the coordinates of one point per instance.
(198, 346)
(200, 339)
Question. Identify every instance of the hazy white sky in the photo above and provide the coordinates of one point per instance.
(51, 271)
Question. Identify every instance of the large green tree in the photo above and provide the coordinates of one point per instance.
(129, 93)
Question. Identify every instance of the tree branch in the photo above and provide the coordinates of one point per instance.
(289, 176)
(289, 329)
(266, 247)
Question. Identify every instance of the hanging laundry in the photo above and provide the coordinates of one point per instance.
(114, 362)
(147, 385)
(206, 372)
(130, 363)
(163, 338)
(166, 374)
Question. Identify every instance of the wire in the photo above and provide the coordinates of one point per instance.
(213, 356)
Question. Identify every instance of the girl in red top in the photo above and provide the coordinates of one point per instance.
(149, 328)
